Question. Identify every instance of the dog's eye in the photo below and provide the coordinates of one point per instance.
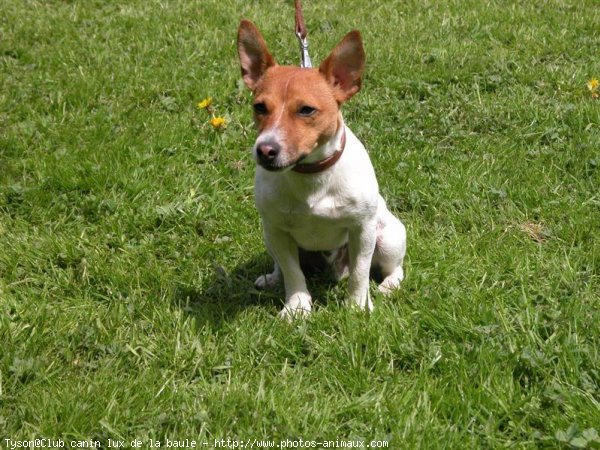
(307, 111)
(260, 108)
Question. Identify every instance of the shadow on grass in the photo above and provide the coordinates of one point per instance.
(225, 294)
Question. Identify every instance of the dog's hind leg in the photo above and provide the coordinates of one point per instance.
(390, 249)
(269, 280)
(338, 261)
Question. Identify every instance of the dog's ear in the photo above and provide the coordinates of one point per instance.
(255, 58)
(344, 66)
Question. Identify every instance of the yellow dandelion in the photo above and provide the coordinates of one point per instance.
(218, 123)
(205, 103)
(593, 84)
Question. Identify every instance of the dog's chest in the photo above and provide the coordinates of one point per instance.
(319, 210)
(314, 223)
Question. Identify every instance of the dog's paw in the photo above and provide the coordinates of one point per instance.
(362, 302)
(338, 260)
(290, 314)
(296, 307)
(269, 280)
(341, 272)
(387, 287)
(392, 282)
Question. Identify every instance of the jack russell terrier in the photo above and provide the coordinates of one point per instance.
(315, 187)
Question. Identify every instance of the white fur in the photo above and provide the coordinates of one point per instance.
(325, 211)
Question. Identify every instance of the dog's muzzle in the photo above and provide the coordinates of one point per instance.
(268, 156)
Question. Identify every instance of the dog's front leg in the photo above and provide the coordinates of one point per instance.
(284, 251)
(361, 245)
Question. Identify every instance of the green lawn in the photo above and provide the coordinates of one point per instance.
(129, 240)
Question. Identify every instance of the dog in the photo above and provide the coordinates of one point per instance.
(315, 187)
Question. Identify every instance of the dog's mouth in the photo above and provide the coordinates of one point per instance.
(275, 167)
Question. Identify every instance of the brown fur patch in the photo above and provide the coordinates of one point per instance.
(284, 90)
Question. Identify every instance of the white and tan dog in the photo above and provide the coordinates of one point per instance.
(315, 186)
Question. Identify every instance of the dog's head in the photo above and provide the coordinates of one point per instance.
(296, 109)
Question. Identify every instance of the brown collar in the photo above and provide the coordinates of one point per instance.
(326, 163)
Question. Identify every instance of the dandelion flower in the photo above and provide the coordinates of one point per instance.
(592, 85)
(217, 123)
(205, 103)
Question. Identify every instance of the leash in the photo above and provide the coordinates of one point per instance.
(324, 164)
(301, 33)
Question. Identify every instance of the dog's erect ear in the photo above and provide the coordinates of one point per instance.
(255, 58)
(344, 66)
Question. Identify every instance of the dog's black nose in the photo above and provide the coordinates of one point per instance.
(267, 151)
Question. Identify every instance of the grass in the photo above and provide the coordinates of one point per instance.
(129, 239)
